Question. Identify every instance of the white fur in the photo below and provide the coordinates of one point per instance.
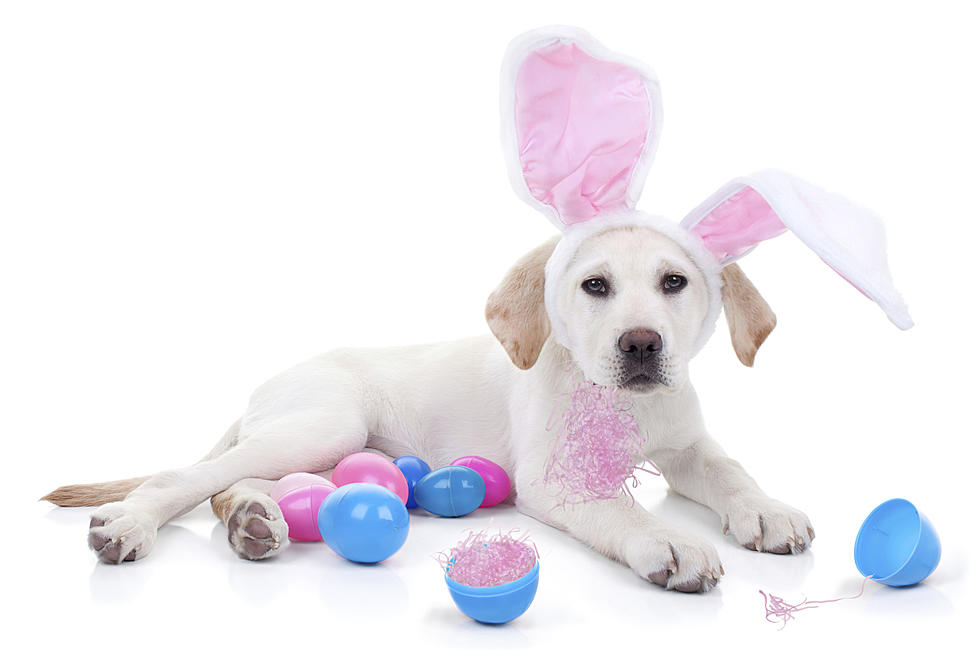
(574, 235)
(466, 398)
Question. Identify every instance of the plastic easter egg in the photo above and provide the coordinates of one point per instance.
(450, 491)
(290, 482)
(493, 475)
(367, 467)
(300, 508)
(363, 522)
(412, 469)
(497, 604)
(897, 545)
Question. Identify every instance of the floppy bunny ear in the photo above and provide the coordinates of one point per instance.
(580, 124)
(849, 238)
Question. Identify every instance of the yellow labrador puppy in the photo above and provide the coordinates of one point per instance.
(620, 299)
(471, 397)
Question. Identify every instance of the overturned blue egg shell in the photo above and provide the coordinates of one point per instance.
(450, 491)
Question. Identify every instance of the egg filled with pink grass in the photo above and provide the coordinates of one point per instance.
(492, 578)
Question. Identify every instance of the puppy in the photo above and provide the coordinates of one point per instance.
(622, 298)
(631, 300)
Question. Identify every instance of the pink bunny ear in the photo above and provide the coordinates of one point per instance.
(580, 124)
(849, 238)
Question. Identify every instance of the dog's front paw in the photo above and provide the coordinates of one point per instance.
(256, 528)
(764, 524)
(119, 533)
(674, 560)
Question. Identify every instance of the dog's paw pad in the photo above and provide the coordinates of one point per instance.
(256, 528)
(117, 533)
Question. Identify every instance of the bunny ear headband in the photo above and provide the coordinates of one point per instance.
(580, 129)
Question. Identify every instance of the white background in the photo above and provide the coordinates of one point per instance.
(195, 195)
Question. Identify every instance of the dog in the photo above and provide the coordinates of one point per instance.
(492, 397)
(621, 299)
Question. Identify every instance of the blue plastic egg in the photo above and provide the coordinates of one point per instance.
(897, 545)
(363, 522)
(413, 469)
(450, 491)
(496, 604)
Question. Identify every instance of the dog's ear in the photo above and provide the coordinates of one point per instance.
(515, 310)
(750, 320)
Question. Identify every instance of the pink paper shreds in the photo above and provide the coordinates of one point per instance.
(599, 446)
(482, 560)
(778, 610)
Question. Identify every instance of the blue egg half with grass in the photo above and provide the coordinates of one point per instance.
(496, 604)
(451, 491)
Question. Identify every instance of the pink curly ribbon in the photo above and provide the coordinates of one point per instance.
(778, 609)
(481, 560)
(596, 453)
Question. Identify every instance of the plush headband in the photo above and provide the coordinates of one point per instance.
(580, 130)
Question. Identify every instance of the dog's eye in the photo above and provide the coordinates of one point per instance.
(674, 283)
(595, 286)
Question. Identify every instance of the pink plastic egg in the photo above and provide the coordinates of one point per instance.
(367, 467)
(290, 482)
(494, 476)
(300, 507)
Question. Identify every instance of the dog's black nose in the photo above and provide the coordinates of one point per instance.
(640, 344)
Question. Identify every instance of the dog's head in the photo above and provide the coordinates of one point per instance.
(631, 296)
(632, 306)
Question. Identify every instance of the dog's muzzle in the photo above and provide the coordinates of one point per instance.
(639, 351)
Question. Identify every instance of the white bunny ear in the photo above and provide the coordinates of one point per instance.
(849, 238)
(580, 124)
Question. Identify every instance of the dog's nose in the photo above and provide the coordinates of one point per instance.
(640, 344)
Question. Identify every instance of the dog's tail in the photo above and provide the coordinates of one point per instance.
(93, 494)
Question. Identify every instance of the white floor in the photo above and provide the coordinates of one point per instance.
(310, 597)
(197, 197)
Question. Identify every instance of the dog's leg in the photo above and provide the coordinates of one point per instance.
(704, 473)
(256, 528)
(309, 440)
(624, 531)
